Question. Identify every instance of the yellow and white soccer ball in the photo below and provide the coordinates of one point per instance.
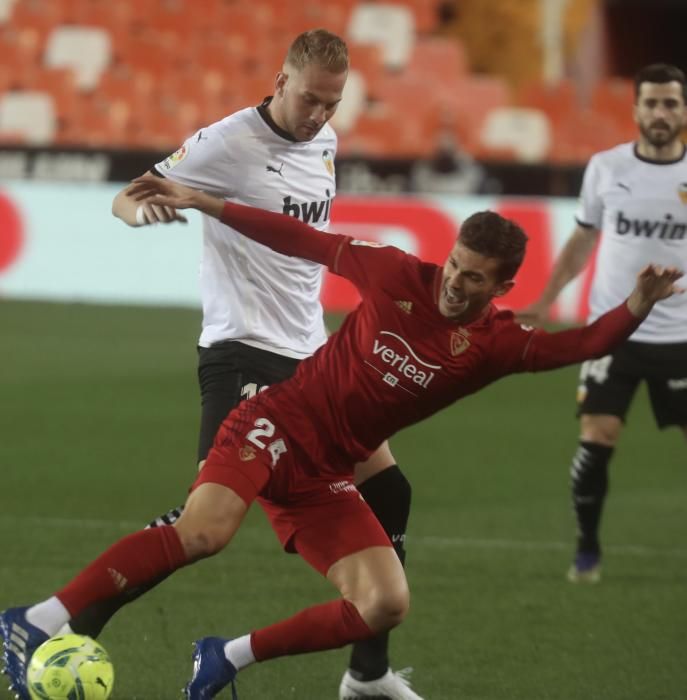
(70, 667)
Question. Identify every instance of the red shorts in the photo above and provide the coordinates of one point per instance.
(317, 513)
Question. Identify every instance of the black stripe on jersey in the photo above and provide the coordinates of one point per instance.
(651, 161)
(267, 118)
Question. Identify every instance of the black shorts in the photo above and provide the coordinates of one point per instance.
(229, 372)
(608, 384)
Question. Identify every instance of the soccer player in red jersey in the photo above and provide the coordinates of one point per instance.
(423, 337)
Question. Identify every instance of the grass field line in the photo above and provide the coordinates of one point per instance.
(425, 540)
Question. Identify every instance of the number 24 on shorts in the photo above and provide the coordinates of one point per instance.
(265, 429)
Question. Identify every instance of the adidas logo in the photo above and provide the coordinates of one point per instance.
(405, 306)
(118, 580)
(17, 641)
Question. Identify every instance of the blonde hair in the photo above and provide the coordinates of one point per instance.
(319, 47)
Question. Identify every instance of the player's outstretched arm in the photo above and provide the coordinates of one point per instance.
(142, 212)
(569, 264)
(282, 233)
(551, 350)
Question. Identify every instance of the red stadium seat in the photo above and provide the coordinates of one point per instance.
(556, 101)
(614, 99)
(425, 13)
(439, 57)
(581, 134)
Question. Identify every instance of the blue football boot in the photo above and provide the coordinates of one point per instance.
(212, 671)
(586, 568)
(19, 640)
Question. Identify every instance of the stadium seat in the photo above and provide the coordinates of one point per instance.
(425, 15)
(375, 135)
(557, 101)
(352, 103)
(580, 135)
(367, 60)
(6, 10)
(614, 99)
(59, 84)
(389, 26)
(22, 46)
(442, 55)
(85, 49)
(612, 95)
(523, 131)
(31, 114)
(466, 107)
(41, 15)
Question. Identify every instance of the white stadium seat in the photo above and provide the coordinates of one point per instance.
(31, 115)
(6, 9)
(392, 27)
(524, 131)
(352, 103)
(86, 50)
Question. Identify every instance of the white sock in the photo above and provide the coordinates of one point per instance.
(65, 629)
(239, 652)
(48, 616)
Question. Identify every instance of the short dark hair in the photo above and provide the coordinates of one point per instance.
(494, 236)
(320, 47)
(661, 73)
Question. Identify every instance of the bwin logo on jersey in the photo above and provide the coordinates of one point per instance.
(667, 229)
(310, 212)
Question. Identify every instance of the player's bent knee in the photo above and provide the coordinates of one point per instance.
(383, 608)
(600, 429)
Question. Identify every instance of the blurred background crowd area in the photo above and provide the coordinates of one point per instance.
(526, 81)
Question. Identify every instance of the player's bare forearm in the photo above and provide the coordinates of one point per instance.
(568, 265)
(570, 262)
(124, 208)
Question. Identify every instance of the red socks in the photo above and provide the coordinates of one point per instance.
(135, 560)
(321, 627)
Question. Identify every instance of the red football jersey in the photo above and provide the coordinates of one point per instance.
(396, 359)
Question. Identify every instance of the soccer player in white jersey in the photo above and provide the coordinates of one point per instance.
(634, 203)
(261, 310)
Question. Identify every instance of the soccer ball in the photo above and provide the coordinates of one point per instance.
(70, 667)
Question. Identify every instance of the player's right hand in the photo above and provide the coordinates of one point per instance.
(151, 213)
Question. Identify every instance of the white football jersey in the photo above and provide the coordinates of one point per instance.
(640, 207)
(249, 292)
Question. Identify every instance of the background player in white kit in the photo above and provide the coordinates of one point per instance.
(261, 310)
(634, 199)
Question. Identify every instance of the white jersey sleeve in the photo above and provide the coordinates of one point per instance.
(590, 207)
(202, 162)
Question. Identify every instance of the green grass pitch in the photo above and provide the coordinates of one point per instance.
(98, 422)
